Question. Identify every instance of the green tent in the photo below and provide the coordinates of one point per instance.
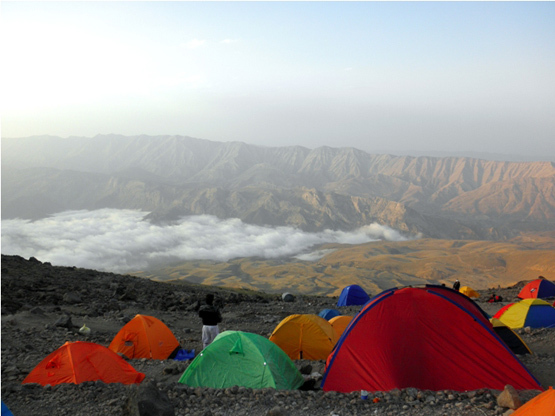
(238, 358)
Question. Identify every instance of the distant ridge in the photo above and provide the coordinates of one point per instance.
(313, 189)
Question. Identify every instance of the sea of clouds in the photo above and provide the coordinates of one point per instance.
(121, 241)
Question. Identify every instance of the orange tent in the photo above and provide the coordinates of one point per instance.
(542, 404)
(340, 323)
(307, 336)
(145, 337)
(77, 362)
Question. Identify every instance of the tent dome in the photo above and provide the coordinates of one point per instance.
(5, 410)
(327, 314)
(353, 295)
(237, 358)
(340, 323)
(306, 336)
(539, 288)
(447, 343)
(535, 313)
(468, 291)
(542, 404)
(77, 362)
(145, 337)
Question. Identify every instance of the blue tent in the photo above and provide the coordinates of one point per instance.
(353, 295)
(327, 314)
(5, 410)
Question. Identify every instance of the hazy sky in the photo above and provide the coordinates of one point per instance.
(441, 76)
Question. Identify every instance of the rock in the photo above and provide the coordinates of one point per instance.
(276, 411)
(288, 297)
(395, 393)
(173, 369)
(508, 412)
(509, 398)
(147, 400)
(129, 295)
(309, 384)
(72, 298)
(64, 322)
(306, 369)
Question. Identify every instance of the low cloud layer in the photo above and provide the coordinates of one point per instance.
(120, 241)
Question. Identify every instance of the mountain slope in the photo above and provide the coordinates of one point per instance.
(378, 266)
(338, 188)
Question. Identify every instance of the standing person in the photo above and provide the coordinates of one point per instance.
(211, 317)
(457, 285)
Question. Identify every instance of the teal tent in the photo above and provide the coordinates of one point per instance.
(238, 358)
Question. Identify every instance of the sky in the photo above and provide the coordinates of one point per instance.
(120, 241)
(379, 76)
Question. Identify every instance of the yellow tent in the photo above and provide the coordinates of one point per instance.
(306, 336)
(340, 323)
(468, 291)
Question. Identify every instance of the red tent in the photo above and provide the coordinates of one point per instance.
(77, 362)
(430, 338)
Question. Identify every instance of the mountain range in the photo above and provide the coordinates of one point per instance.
(313, 189)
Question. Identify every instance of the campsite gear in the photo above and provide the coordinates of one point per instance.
(510, 337)
(535, 313)
(238, 358)
(542, 404)
(85, 330)
(539, 288)
(340, 323)
(184, 355)
(145, 337)
(468, 291)
(495, 298)
(440, 330)
(353, 295)
(327, 314)
(306, 336)
(77, 362)
(363, 394)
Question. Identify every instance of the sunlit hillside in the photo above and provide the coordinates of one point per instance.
(381, 265)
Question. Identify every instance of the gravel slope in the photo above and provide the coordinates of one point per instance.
(43, 307)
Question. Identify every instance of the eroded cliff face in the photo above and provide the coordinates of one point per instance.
(337, 188)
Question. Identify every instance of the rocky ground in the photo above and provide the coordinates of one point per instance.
(43, 307)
